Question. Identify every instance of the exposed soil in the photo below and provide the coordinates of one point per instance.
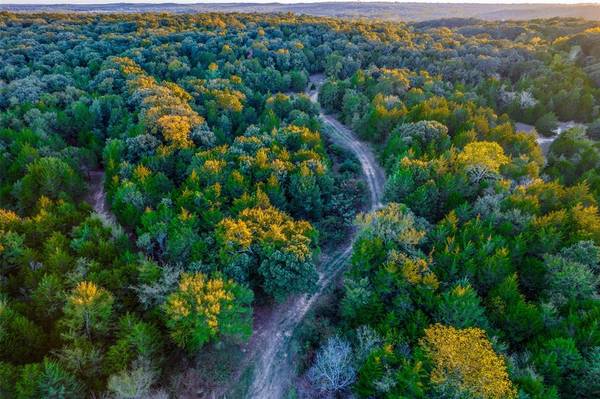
(96, 197)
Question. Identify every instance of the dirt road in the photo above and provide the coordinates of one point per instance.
(269, 345)
(546, 142)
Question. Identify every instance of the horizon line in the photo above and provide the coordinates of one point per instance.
(292, 2)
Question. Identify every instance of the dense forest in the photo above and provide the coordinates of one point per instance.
(164, 178)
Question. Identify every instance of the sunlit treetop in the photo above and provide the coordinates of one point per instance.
(203, 308)
(8, 217)
(465, 357)
(484, 153)
(268, 227)
(86, 293)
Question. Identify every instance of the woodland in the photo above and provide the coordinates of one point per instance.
(168, 182)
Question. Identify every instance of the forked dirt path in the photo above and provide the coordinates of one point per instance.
(269, 346)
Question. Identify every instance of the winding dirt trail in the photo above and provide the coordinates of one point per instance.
(269, 345)
(345, 137)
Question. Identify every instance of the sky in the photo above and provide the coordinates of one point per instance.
(290, 1)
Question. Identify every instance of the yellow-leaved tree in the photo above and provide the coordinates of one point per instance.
(164, 106)
(278, 244)
(204, 308)
(465, 359)
(488, 154)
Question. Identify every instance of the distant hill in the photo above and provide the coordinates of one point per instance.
(390, 11)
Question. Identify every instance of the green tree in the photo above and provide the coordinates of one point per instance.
(284, 273)
(47, 380)
(9, 375)
(88, 311)
(50, 177)
(518, 319)
(589, 386)
(137, 341)
(21, 340)
(460, 307)
(546, 124)
(559, 361)
(569, 280)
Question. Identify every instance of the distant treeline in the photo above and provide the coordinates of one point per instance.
(381, 10)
